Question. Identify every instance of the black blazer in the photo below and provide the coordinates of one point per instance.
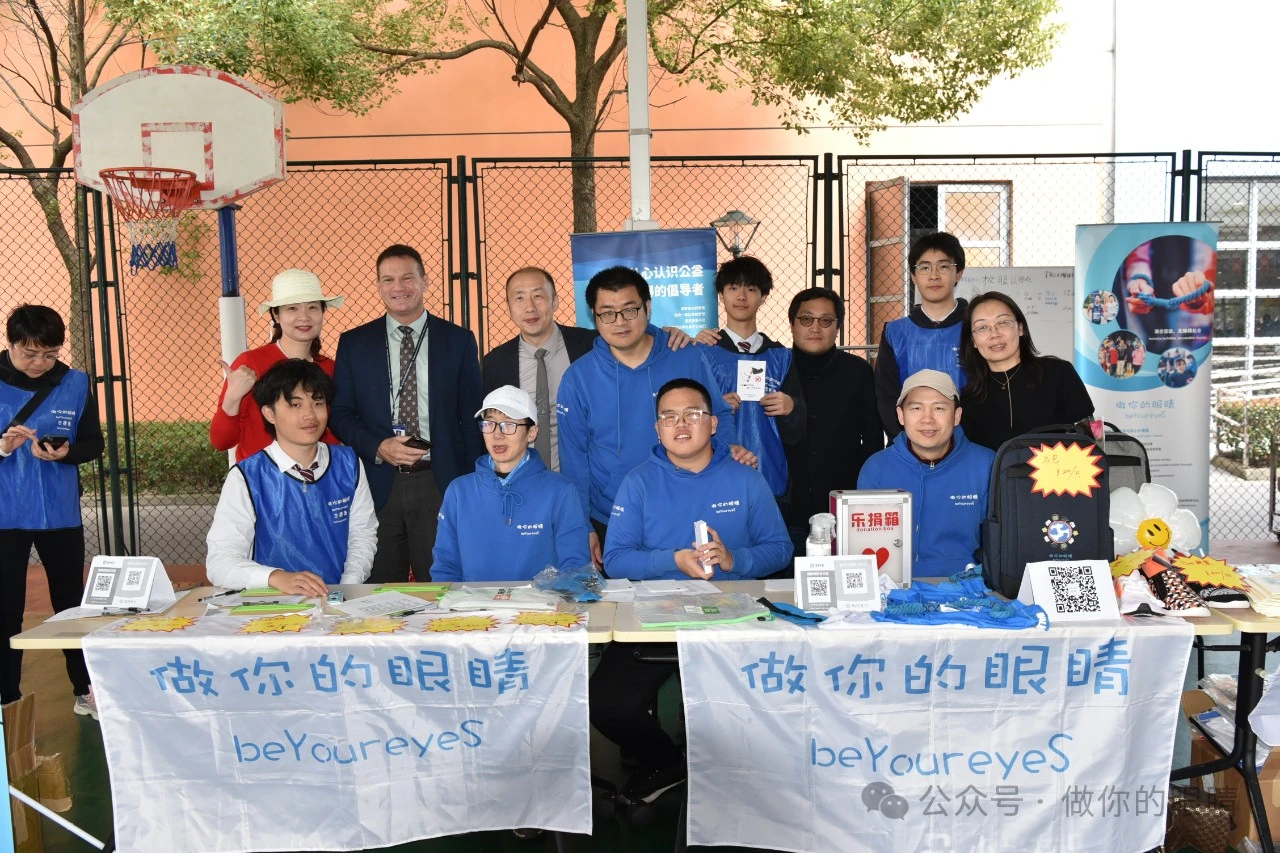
(502, 364)
(361, 411)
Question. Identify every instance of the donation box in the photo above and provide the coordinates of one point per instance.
(875, 522)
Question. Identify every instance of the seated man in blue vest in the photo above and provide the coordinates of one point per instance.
(948, 475)
(297, 515)
(688, 477)
(512, 517)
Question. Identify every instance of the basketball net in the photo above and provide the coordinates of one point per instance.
(151, 202)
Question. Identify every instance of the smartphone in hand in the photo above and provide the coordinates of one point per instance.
(418, 443)
(52, 442)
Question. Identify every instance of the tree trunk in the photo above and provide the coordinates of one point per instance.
(583, 144)
(45, 190)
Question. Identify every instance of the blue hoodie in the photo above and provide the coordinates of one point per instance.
(948, 500)
(658, 503)
(605, 415)
(494, 529)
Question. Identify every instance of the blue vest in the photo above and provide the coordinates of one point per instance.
(757, 431)
(302, 527)
(41, 495)
(917, 348)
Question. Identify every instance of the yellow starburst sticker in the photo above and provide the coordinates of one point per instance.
(166, 624)
(1127, 564)
(1064, 469)
(554, 619)
(1208, 571)
(462, 623)
(371, 625)
(286, 624)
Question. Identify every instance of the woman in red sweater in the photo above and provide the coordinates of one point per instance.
(297, 307)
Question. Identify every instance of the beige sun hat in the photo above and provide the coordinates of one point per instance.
(293, 286)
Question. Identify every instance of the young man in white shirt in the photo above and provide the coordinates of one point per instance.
(296, 516)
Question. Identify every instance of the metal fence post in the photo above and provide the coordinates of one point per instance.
(458, 184)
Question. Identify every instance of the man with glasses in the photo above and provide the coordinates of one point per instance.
(511, 518)
(537, 358)
(842, 428)
(688, 477)
(928, 338)
(606, 397)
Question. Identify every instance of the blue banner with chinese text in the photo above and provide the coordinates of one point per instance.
(679, 265)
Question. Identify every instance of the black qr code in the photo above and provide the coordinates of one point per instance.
(102, 584)
(133, 578)
(1074, 589)
(819, 589)
(854, 582)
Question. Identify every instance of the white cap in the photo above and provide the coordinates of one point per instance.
(294, 286)
(935, 379)
(511, 401)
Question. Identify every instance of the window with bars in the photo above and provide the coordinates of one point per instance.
(1247, 294)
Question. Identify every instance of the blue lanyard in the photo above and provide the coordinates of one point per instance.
(386, 343)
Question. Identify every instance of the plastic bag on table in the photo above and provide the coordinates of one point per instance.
(576, 583)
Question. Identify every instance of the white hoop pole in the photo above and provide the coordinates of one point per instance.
(55, 817)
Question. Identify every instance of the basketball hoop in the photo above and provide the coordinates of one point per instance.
(151, 201)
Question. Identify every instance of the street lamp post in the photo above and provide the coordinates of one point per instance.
(739, 227)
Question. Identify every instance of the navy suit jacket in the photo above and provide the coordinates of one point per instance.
(502, 364)
(361, 411)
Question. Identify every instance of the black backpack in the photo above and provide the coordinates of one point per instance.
(1023, 526)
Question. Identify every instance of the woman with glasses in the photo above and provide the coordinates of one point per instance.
(512, 517)
(50, 426)
(297, 307)
(1012, 389)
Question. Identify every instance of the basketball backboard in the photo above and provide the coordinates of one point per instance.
(225, 129)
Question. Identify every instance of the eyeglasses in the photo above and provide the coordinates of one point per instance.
(504, 427)
(49, 356)
(692, 417)
(806, 320)
(609, 317)
(943, 267)
(985, 331)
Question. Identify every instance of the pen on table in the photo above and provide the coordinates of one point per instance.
(123, 611)
(405, 612)
(219, 595)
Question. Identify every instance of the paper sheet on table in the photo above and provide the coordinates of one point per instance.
(618, 589)
(751, 376)
(382, 603)
(654, 589)
(81, 612)
(780, 585)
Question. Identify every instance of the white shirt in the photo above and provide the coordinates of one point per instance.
(557, 363)
(755, 341)
(230, 538)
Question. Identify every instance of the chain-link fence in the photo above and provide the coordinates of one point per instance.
(330, 218)
(1241, 192)
(334, 218)
(524, 216)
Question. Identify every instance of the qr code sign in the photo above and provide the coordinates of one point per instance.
(819, 589)
(133, 578)
(855, 582)
(1074, 589)
(102, 584)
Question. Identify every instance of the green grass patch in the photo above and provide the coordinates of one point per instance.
(176, 458)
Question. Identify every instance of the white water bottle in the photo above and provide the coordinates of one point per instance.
(821, 529)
